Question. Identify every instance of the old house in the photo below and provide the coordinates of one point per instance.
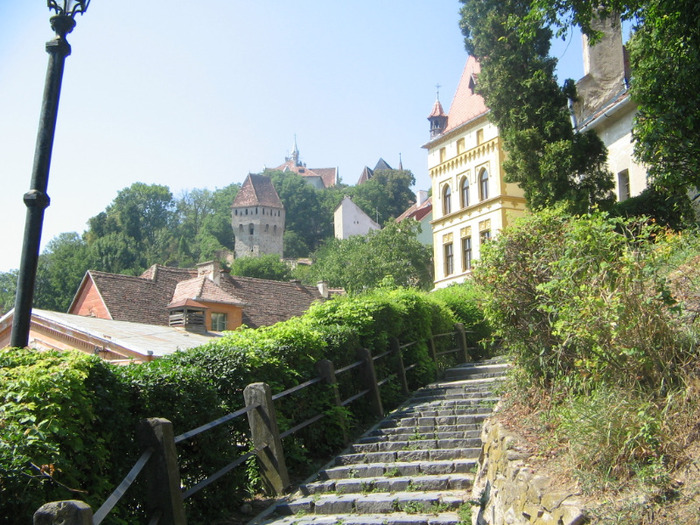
(119, 342)
(202, 299)
(471, 201)
(349, 220)
(604, 105)
(258, 218)
(421, 211)
(319, 178)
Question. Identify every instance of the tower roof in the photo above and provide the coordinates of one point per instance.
(437, 110)
(257, 190)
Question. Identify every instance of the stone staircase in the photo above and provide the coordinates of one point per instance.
(415, 467)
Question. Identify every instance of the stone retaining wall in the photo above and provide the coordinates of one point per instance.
(508, 490)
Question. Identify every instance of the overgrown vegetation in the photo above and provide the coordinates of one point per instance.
(605, 341)
(74, 416)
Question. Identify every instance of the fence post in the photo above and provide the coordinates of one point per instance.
(266, 437)
(400, 369)
(462, 342)
(70, 512)
(369, 377)
(326, 371)
(433, 353)
(162, 474)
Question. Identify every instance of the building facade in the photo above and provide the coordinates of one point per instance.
(470, 199)
(349, 220)
(604, 105)
(257, 218)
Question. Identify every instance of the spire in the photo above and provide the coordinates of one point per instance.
(295, 152)
(437, 117)
(400, 163)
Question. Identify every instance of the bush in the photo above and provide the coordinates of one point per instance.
(586, 294)
(61, 427)
(75, 416)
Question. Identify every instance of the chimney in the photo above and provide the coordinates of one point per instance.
(422, 196)
(323, 289)
(211, 270)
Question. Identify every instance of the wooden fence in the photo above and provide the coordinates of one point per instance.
(158, 462)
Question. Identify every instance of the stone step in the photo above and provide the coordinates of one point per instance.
(406, 432)
(471, 416)
(396, 518)
(389, 483)
(418, 442)
(376, 503)
(476, 371)
(393, 456)
(380, 436)
(400, 468)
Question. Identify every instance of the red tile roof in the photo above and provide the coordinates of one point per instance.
(329, 176)
(417, 211)
(145, 299)
(466, 104)
(257, 190)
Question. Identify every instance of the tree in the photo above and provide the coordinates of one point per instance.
(367, 261)
(262, 267)
(61, 267)
(386, 195)
(302, 210)
(544, 156)
(8, 288)
(665, 61)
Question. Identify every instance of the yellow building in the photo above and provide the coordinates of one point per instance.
(471, 201)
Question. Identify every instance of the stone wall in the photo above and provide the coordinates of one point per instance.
(510, 491)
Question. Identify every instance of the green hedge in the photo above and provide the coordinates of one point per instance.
(77, 415)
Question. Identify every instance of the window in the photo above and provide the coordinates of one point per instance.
(623, 185)
(460, 146)
(485, 236)
(446, 200)
(218, 321)
(479, 137)
(484, 184)
(466, 253)
(449, 259)
(267, 228)
(443, 154)
(464, 192)
(251, 229)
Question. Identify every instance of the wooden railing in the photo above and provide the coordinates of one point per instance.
(159, 464)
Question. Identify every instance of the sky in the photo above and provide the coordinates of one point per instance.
(199, 94)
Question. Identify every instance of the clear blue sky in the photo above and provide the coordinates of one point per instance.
(199, 94)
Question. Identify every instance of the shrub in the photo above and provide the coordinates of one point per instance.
(585, 294)
(60, 427)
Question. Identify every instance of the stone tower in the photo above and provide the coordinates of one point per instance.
(257, 217)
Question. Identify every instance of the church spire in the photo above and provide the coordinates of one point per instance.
(295, 152)
(437, 117)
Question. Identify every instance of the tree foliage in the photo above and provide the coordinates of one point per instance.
(392, 255)
(262, 267)
(386, 195)
(544, 156)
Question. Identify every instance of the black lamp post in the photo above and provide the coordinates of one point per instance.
(36, 199)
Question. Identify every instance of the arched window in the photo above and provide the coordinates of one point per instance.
(484, 184)
(446, 200)
(464, 192)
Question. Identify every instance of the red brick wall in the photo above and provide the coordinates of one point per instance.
(89, 303)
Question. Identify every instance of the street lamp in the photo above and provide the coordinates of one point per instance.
(36, 198)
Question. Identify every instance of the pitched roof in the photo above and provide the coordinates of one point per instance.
(329, 176)
(437, 110)
(203, 289)
(417, 211)
(257, 190)
(466, 104)
(145, 299)
(382, 165)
